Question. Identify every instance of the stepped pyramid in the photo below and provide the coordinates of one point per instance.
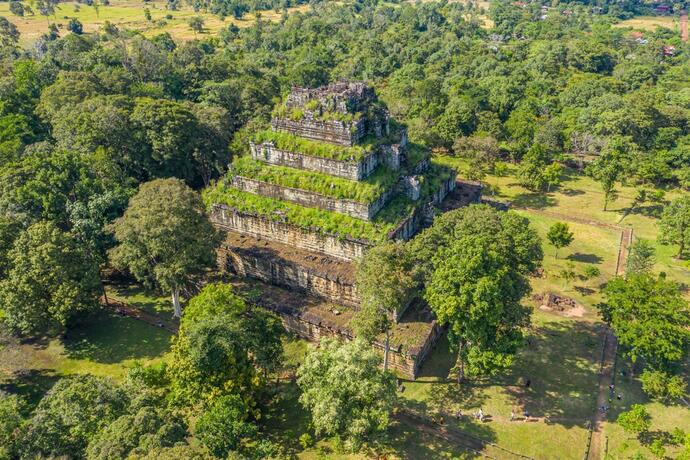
(333, 176)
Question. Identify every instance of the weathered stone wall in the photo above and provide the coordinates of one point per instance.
(229, 219)
(352, 170)
(364, 211)
(275, 270)
(407, 363)
(333, 131)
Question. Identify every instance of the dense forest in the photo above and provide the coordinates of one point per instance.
(86, 119)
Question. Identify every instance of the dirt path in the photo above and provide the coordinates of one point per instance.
(624, 250)
(684, 25)
(569, 218)
(124, 309)
(605, 379)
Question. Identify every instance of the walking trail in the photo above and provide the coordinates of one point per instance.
(124, 309)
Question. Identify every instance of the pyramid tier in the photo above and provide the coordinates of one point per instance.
(359, 199)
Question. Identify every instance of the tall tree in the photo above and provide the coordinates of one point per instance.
(650, 318)
(478, 274)
(165, 237)
(641, 258)
(560, 236)
(70, 415)
(51, 280)
(674, 225)
(385, 286)
(223, 426)
(346, 392)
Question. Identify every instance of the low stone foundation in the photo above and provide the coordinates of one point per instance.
(289, 267)
(412, 339)
(364, 211)
(230, 219)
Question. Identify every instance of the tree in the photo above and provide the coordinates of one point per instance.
(674, 226)
(560, 236)
(346, 392)
(636, 420)
(641, 258)
(70, 415)
(385, 286)
(9, 34)
(552, 175)
(223, 426)
(10, 229)
(663, 385)
(51, 281)
(16, 8)
(591, 272)
(75, 26)
(606, 170)
(196, 23)
(650, 318)
(210, 358)
(137, 433)
(165, 238)
(263, 330)
(147, 14)
(532, 168)
(10, 421)
(480, 262)
(568, 273)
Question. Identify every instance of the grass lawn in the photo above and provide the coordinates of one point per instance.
(650, 23)
(138, 297)
(105, 345)
(129, 14)
(561, 363)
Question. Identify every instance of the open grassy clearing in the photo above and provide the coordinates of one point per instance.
(129, 14)
(138, 297)
(580, 197)
(105, 345)
(561, 363)
(650, 23)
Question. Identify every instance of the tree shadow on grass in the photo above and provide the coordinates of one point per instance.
(562, 366)
(30, 384)
(137, 296)
(585, 258)
(571, 191)
(533, 200)
(109, 338)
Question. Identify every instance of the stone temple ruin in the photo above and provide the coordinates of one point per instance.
(333, 176)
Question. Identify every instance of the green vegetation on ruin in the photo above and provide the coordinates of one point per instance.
(292, 143)
(311, 218)
(366, 191)
(297, 114)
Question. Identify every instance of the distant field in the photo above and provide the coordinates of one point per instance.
(650, 23)
(129, 14)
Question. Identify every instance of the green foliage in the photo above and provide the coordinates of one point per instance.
(291, 143)
(636, 420)
(662, 385)
(477, 261)
(223, 426)
(532, 169)
(51, 281)
(385, 286)
(165, 237)
(591, 272)
(346, 392)
(650, 318)
(674, 225)
(137, 433)
(10, 421)
(568, 273)
(70, 415)
(560, 236)
(221, 345)
(657, 448)
(641, 258)
(366, 191)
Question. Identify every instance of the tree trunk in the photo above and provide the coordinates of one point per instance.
(681, 248)
(461, 370)
(176, 303)
(386, 349)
